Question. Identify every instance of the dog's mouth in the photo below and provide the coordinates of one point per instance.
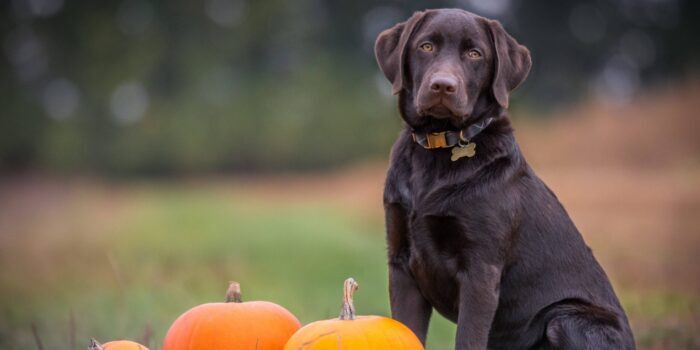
(437, 120)
(442, 112)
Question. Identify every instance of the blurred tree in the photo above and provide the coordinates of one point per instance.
(163, 87)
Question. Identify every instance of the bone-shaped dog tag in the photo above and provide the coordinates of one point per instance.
(468, 150)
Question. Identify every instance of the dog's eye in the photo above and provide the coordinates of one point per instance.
(474, 54)
(427, 47)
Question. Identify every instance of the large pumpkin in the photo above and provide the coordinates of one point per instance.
(116, 345)
(350, 332)
(232, 325)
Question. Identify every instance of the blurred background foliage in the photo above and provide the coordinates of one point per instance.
(146, 87)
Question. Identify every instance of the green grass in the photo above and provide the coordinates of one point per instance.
(177, 249)
(120, 269)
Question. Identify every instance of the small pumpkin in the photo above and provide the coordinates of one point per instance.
(350, 332)
(235, 324)
(116, 345)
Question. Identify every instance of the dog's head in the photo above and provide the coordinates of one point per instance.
(450, 65)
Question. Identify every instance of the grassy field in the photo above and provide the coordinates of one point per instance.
(124, 261)
(82, 257)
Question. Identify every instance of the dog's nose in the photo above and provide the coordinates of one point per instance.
(443, 84)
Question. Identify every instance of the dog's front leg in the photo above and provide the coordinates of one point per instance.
(407, 303)
(478, 300)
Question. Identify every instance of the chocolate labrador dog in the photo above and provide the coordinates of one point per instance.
(472, 231)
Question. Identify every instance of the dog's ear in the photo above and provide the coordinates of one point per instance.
(390, 49)
(512, 62)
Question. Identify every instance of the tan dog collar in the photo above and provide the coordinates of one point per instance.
(459, 141)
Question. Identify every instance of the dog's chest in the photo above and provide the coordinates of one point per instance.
(437, 253)
(440, 246)
(442, 238)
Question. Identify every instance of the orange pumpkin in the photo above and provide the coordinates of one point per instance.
(116, 345)
(350, 332)
(260, 325)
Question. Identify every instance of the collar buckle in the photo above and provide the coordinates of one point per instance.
(436, 140)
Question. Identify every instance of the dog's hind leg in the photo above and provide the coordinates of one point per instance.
(584, 331)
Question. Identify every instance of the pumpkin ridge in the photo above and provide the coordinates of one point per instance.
(359, 327)
(311, 341)
(393, 341)
(193, 331)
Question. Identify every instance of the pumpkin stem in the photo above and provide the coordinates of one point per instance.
(95, 345)
(347, 312)
(233, 294)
